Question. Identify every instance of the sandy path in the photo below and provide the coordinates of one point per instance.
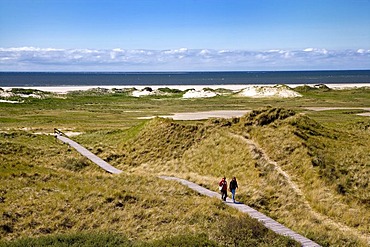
(260, 154)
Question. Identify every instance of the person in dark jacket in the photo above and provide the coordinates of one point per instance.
(223, 188)
(233, 186)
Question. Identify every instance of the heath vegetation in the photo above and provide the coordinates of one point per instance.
(309, 170)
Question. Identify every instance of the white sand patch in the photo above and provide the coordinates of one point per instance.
(71, 133)
(336, 108)
(9, 101)
(6, 94)
(281, 91)
(30, 96)
(365, 114)
(37, 131)
(204, 115)
(199, 94)
(139, 93)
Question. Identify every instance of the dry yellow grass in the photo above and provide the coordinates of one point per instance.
(286, 164)
(277, 176)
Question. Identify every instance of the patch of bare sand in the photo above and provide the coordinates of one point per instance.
(204, 115)
(365, 114)
(336, 108)
(39, 132)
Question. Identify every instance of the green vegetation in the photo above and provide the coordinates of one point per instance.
(307, 169)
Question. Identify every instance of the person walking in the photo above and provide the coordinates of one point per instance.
(223, 188)
(233, 186)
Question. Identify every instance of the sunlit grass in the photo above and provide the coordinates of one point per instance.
(48, 188)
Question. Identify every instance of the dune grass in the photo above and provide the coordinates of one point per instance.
(315, 195)
(51, 190)
(309, 170)
(95, 111)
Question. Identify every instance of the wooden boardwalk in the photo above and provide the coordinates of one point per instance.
(60, 136)
(268, 222)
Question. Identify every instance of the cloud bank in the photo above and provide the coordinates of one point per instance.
(183, 59)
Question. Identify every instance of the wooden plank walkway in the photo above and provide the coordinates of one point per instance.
(59, 135)
(268, 222)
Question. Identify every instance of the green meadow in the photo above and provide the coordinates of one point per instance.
(307, 169)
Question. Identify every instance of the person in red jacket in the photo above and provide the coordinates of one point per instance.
(223, 188)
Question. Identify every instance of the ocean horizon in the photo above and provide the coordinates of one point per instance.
(53, 79)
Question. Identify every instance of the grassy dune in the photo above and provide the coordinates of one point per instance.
(50, 189)
(288, 166)
(308, 170)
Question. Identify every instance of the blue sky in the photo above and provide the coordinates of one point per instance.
(151, 35)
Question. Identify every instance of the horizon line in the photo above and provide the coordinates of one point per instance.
(185, 71)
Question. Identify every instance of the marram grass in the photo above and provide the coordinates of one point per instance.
(307, 170)
(279, 175)
(70, 206)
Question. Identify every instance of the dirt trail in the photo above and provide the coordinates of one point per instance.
(259, 154)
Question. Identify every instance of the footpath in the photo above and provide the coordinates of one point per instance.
(60, 136)
(266, 221)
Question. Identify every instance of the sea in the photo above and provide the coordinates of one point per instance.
(54, 79)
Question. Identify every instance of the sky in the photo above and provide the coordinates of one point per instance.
(184, 35)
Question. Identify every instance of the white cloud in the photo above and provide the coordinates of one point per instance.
(363, 51)
(118, 50)
(204, 52)
(308, 49)
(29, 49)
(118, 59)
(316, 50)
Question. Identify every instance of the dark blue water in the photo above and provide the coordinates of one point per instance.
(23, 79)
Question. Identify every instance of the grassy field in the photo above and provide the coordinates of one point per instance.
(306, 169)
